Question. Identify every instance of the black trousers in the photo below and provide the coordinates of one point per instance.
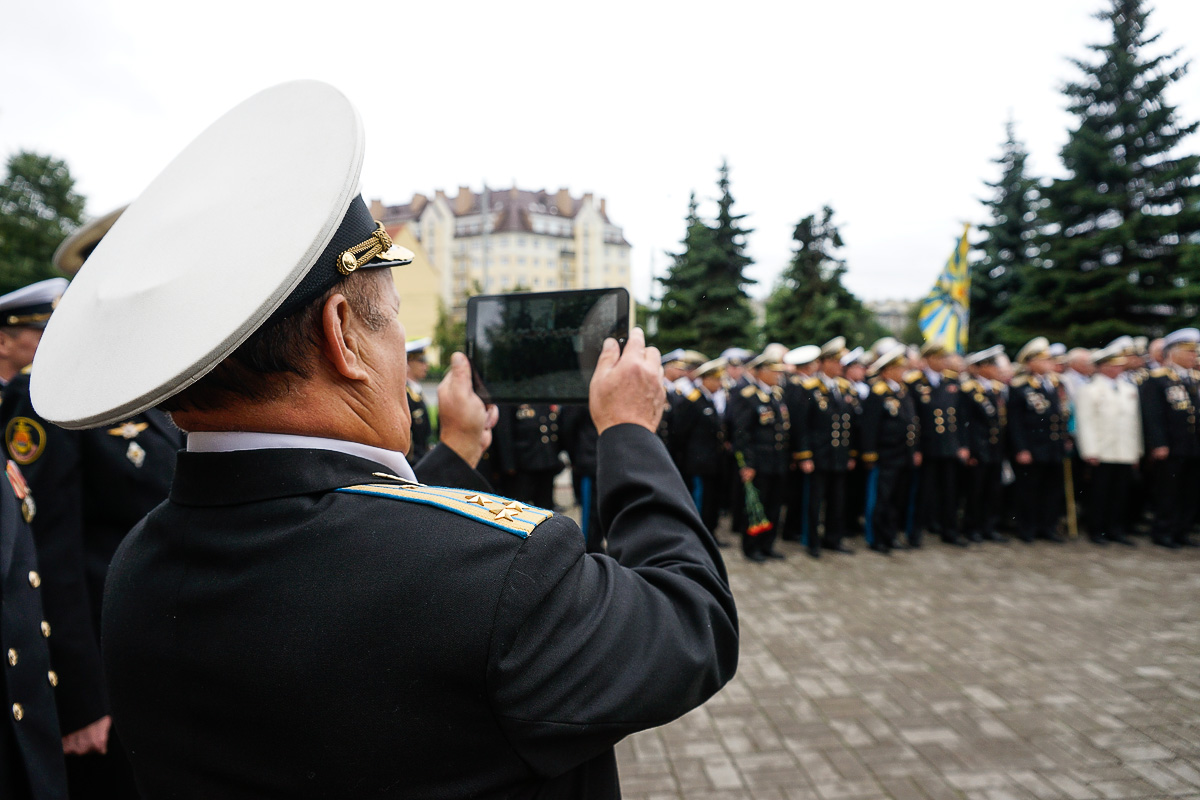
(1039, 498)
(534, 488)
(589, 511)
(887, 503)
(939, 496)
(983, 498)
(1175, 483)
(826, 499)
(1108, 499)
(796, 498)
(770, 494)
(706, 494)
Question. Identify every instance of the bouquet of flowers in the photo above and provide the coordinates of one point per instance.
(756, 517)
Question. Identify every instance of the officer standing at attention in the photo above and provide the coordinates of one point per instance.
(422, 425)
(302, 618)
(1108, 431)
(826, 449)
(935, 390)
(31, 747)
(703, 441)
(94, 486)
(760, 429)
(798, 391)
(891, 434)
(1169, 405)
(984, 417)
(1037, 434)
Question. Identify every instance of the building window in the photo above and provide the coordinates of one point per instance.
(520, 241)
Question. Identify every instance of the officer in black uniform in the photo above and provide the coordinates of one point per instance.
(23, 316)
(580, 438)
(798, 391)
(935, 390)
(890, 449)
(1169, 402)
(1037, 436)
(302, 618)
(984, 417)
(825, 442)
(422, 425)
(526, 446)
(31, 750)
(703, 442)
(760, 429)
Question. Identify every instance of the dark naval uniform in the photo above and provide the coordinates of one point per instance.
(31, 754)
(938, 408)
(797, 394)
(1169, 403)
(293, 623)
(760, 429)
(984, 416)
(1037, 424)
(422, 426)
(700, 441)
(891, 433)
(579, 438)
(827, 437)
(525, 442)
(93, 486)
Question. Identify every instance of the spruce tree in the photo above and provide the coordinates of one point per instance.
(1009, 248)
(809, 304)
(38, 209)
(1119, 254)
(677, 310)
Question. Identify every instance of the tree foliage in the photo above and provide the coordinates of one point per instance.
(1118, 254)
(809, 304)
(704, 304)
(38, 209)
(1009, 249)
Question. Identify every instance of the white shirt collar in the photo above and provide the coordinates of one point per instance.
(895, 387)
(934, 378)
(231, 441)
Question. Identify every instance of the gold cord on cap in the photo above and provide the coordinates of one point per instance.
(361, 253)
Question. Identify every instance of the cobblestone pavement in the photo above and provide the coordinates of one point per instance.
(1001, 671)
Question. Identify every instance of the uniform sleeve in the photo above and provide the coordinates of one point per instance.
(587, 648)
(1018, 436)
(872, 415)
(55, 477)
(1154, 414)
(741, 422)
(441, 466)
(1086, 420)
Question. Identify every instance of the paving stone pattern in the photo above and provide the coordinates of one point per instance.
(1000, 672)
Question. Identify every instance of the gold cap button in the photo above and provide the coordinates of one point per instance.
(12, 657)
(18, 712)
(52, 676)
(45, 629)
(35, 580)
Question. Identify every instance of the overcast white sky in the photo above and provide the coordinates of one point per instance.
(890, 112)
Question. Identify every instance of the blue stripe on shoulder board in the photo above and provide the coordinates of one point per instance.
(491, 510)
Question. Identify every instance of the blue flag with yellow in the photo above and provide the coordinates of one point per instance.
(946, 311)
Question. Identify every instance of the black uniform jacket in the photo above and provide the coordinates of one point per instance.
(983, 408)
(891, 430)
(422, 425)
(92, 487)
(761, 428)
(699, 435)
(1036, 421)
(827, 433)
(30, 741)
(1168, 400)
(269, 634)
(938, 408)
(525, 438)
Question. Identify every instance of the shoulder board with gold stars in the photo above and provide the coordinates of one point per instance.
(694, 395)
(880, 387)
(912, 376)
(749, 390)
(499, 512)
(811, 383)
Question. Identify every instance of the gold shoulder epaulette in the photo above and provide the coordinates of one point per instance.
(694, 395)
(843, 384)
(414, 394)
(1054, 379)
(27, 369)
(749, 390)
(811, 383)
(796, 380)
(880, 387)
(970, 386)
(950, 374)
(1019, 380)
(912, 376)
(1161, 372)
(499, 512)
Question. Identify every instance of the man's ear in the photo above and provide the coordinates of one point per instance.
(341, 343)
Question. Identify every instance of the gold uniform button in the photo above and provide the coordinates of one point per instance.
(545, 440)
(45, 629)
(52, 677)
(542, 428)
(18, 712)
(12, 657)
(35, 580)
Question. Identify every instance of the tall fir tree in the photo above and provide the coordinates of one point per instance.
(809, 304)
(1010, 246)
(38, 209)
(1119, 254)
(704, 304)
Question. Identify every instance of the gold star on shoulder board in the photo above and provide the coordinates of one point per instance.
(477, 500)
(513, 504)
(506, 513)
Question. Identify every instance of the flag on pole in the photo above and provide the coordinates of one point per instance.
(946, 310)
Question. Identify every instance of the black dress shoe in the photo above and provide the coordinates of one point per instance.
(999, 538)
(957, 541)
(722, 543)
(1100, 540)
(792, 537)
(1026, 539)
(881, 548)
(975, 537)
(756, 557)
(814, 553)
(775, 554)
(1189, 542)
(1121, 538)
(1167, 543)
(1053, 537)
(841, 548)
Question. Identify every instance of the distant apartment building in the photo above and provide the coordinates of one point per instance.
(893, 315)
(535, 240)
